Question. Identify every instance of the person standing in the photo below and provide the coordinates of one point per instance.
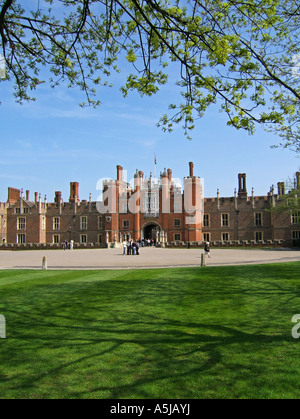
(207, 249)
(134, 248)
(124, 247)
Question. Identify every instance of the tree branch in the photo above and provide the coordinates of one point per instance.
(4, 9)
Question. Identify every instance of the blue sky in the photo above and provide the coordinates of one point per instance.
(49, 143)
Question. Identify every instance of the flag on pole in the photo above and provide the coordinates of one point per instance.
(155, 163)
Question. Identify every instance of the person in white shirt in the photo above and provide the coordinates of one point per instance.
(124, 247)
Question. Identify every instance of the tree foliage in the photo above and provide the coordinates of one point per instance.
(289, 199)
(242, 55)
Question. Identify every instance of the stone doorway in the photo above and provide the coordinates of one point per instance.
(150, 231)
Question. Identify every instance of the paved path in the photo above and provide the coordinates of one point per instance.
(148, 258)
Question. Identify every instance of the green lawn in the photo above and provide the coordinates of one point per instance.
(169, 333)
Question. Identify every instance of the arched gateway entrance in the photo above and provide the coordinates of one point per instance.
(149, 231)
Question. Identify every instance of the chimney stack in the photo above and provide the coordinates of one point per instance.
(242, 186)
(298, 180)
(74, 192)
(57, 197)
(191, 169)
(13, 195)
(119, 173)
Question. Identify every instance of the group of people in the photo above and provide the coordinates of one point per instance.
(68, 245)
(131, 247)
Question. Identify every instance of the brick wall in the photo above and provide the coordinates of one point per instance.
(238, 218)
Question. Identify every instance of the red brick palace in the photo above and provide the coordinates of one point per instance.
(157, 209)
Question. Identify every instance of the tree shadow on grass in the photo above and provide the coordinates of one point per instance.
(146, 358)
(145, 339)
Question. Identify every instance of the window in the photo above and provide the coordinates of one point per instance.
(17, 210)
(177, 201)
(177, 237)
(56, 239)
(296, 235)
(225, 220)
(21, 239)
(206, 237)
(151, 203)
(123, 208)
(44, 223)
(225, 237)
(26, 210)
(177, 222)
(83, 223)
(296, 217)
(125, 223)
(206, 221)
(56, 223)
(258, 235)
(258, 219)
(100, 238)
(21, 223)
(83, 239)
(147, 204)
(122, 200)
(100, 223)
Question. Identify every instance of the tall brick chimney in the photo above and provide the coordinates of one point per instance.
(74, 192)
(57, 197)
(191, 164)
(27, 195)
(298, 180)
(242, 186)
(119, 173)
(13, 195)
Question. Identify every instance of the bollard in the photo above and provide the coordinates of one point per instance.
(2, 327)
(44, 263)
(203, 259)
